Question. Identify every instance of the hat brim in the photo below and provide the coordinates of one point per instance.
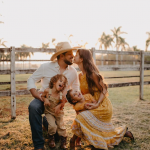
(63, 51)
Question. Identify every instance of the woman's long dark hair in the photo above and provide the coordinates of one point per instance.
(90, 68)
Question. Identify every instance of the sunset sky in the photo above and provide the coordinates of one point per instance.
(32, 22)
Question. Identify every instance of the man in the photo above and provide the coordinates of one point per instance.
(64, 55)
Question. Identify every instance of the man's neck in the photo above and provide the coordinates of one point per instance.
(62, 64)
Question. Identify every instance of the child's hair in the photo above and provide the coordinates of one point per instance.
(69, 98)
(55, 78)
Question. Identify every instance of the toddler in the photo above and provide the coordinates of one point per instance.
(78, 100)
(52, 96)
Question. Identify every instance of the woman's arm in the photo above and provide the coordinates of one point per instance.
(102, 89)
(102, 95)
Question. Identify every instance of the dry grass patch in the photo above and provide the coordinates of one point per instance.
(128, 109)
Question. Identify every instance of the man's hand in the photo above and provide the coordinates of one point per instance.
(57, 109)
(36, 94)
(46, 102)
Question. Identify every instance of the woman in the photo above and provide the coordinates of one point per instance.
(94, 125)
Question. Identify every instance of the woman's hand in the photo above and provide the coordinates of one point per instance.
(91, 105)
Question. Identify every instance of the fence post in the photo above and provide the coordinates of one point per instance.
(141, 74)
(94, 54)
(13, 85)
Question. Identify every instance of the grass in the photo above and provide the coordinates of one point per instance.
(127, 109)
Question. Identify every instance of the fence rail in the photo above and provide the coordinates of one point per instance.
(141, 67)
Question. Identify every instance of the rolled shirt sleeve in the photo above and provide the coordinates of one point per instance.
(36, 76)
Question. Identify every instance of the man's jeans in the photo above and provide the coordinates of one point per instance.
(36, 109)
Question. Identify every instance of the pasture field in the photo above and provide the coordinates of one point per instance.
(24, 77)
(127, 109)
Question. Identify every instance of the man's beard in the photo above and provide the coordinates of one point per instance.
(68, 62)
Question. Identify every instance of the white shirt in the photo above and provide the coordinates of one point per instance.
(50, 69)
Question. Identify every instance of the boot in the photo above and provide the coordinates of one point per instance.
(63, 142)
(51, 141)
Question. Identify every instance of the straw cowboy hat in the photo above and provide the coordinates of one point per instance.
(61, 48)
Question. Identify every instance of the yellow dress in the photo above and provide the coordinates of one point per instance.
(95, 125)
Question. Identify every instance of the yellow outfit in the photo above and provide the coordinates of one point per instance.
(95, 125)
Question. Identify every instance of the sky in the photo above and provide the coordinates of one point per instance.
(33, 22)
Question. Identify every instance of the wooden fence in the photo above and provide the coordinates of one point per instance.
(117, 67)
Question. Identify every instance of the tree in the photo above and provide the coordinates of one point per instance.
(134, 48)
(147, 42)
(2, 43)
(122, 43)
(3, 56)
(105, 40)
(69, 38)
(1, 21)
(45, 45)
(53, 41)
(83, 45)
(23, 55)
(116, 34)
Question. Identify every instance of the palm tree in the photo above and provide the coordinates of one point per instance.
(1, 21)
(2, 55)
(83, 45)
(45, 45)
(53, 41)
(105, 40)
(147, 41)
(69, 38)
(2, 43)
(135, 48)
(22, 55)
(116, 33)
(122, 43)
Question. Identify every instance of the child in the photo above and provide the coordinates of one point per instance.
(78, 100)
(52, 96)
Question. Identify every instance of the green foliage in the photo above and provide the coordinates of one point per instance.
(119, 40)
(2, 43)
(23, 55)
(105, 40)
(147, 59)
